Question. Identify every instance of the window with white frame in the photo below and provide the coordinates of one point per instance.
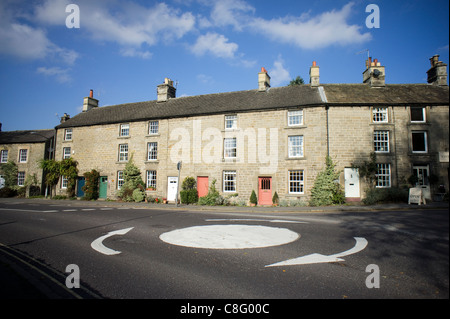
(295, 118)
(21, 178)
(381, 141)
(124, 130)
(229, 181)
(230, 122)
(68, 134)
(66, 152)
(418, 115)
(383, 175)
(419, 142)
(23, 154)
(123, 152)
(64, 182)
(229, 148)
(295, 146)
(153, 127)
(2, 181)
(380, 115)
(120, 179)
(151, 179)
(152, 151)
(4, 156)
(296, 182)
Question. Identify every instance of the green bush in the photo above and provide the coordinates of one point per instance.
(326, 189)
(138, 195)
(275, 199)
(212, 197)
(189, 196)
(386, 195)
(253, 198)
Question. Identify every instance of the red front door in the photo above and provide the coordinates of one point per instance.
(265, 191)
(202, 186)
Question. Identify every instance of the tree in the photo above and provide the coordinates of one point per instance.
(68, 168)
(297, 81)
(9, 171)
(91, 188)
(52, 173)
(132, 180)
(326, 189)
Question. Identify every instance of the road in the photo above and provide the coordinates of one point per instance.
(200, 254)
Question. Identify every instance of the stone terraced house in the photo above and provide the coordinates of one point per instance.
(25, 149)
(268, 139)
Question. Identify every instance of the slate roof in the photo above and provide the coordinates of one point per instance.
(391, 94)
(31, 136)
(253, 100)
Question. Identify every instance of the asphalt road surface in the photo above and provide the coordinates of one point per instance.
(120, 252)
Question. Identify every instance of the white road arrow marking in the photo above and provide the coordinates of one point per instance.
(98, 245)
(361, 243)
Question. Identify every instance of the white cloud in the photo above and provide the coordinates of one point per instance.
(61, 75)
(328, 28)
(230, 12)
(28, 42)
(279, 74)
(215, 44)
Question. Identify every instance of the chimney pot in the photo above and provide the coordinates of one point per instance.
(314, 63)
(91, 93)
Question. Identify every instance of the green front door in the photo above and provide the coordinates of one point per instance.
(103, 186)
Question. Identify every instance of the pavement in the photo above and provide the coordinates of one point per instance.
(23, 280)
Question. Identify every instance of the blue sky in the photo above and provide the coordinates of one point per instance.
(124, 49)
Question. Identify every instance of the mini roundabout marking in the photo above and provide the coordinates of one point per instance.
(230, 236)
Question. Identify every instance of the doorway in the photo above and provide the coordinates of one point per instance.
(103, 187)
(202, 186)
(351, 176)
(172, 184)
(265, 191)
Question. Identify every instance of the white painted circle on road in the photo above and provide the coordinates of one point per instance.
(229, 236)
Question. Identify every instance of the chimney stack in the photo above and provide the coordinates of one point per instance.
(437, 75)
(89, 102)
(374, 74)
(166, 91)
(314, 78)
(65, 117)
(263, 80)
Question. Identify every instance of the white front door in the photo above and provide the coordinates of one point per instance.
(351, 182)
(172, 183)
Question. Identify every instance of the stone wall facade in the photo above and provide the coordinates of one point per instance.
(346, 133)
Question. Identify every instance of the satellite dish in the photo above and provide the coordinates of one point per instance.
(376, 73)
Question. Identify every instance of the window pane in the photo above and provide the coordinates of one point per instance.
(231, 121)
(383, 175)
(125, 130)
(381, 141)
(380, 115)
(152, 151)
(419, 142)
(151, 179)
(295, 146)
(229, 181)
(123, 152)
(296, 182)
(229, 148)
(295, 117)
(153, 127)
(417, 114)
